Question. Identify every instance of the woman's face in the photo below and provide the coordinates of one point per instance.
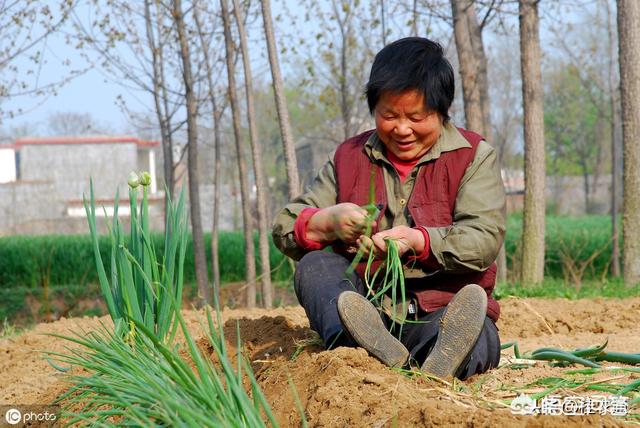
(403, 124)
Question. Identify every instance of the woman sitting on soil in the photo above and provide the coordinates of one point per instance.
(440, 198)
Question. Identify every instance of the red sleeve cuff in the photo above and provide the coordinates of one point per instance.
(427, 259)
(424, 255)
(300, 230)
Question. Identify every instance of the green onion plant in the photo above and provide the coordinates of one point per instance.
(137, 374)
(142, 381)
(140, 287)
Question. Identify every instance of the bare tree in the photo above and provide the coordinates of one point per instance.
(156, 44)
(136, 46)
(469, 65)
(534, 169)
(281, 103)
(216, 113)
(414, 18)
(383, 22)
(475, 28)
(595, 65)
(614, 99)
(344, 54)
(192, 141)
(628, 42)
(242, 167)
(343, 14)
(506, 94)
(261, 185)
(25, 29)
(72, 123)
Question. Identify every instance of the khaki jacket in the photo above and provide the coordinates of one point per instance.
(470, 244)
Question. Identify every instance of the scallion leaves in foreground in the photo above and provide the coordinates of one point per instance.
(137, 375)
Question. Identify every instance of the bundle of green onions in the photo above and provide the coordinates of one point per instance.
(390, 273)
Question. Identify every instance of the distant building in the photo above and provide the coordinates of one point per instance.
(43, 180)
(7, 163)
(513, 180)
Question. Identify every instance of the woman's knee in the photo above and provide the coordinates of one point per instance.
(320, 263)
(310, 259)
(309, 269)
(319, 269)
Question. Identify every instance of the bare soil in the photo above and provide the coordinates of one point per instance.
(347, 387)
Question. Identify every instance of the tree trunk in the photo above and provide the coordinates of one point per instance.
(344, 25)
(614, 97)
(615, 144)
(469, 68)
(261, 185)
(475, 35)
(281, 104)
(382, 20)
(534, 169)
(161, 114)
(217, 141)
(628, 41)
(475, 83)
(250, 257)
(217, 184)
(192, 140)
(414, 18)
(587, 191)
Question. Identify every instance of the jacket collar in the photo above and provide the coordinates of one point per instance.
(450, 139)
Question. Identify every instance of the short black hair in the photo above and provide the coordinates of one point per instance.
(413, 63)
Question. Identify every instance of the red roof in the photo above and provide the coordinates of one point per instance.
(81, 140)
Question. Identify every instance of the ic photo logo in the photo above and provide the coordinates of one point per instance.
(40, 415)
(13, 416)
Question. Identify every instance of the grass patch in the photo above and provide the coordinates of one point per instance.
(7, 329)
(29, 261)
(557, 288)
(573, 246)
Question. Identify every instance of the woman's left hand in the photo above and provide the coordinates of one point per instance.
(408, 239)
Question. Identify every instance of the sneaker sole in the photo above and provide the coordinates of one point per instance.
(363, 322)
(460, 328)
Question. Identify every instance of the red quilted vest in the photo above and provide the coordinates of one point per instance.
(431, 204)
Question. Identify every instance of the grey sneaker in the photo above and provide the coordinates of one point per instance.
(460, 327)
(362, 320)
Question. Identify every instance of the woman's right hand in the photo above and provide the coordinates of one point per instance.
(346, 222)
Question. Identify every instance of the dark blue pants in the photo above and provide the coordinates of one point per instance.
(319, 280)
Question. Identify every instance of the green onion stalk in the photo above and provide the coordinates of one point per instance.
(392, 281)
